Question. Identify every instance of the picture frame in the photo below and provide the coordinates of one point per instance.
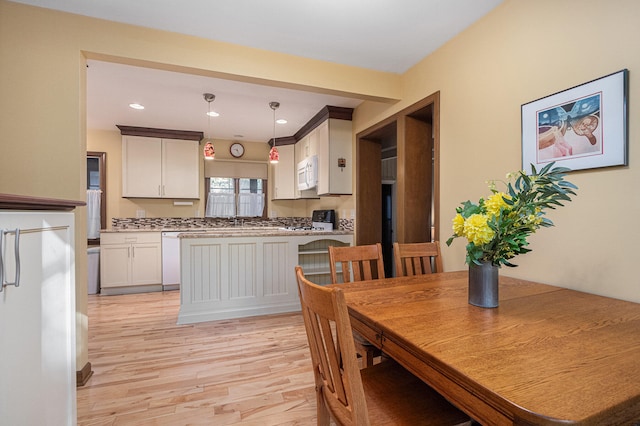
(583, 127)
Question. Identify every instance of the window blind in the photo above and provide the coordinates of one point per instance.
(235, 169)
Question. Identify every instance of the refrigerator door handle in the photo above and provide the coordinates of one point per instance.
(1, 261)
(16, 279)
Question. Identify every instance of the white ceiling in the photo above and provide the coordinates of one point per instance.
(385, 35)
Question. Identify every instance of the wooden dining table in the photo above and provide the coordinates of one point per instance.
(546, 356)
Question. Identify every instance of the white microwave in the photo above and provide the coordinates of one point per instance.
(307, 173)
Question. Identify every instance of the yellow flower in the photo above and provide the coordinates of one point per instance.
(477, 230)
(458, 225)
(495, 202)
(534, 220)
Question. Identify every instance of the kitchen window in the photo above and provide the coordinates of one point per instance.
(235, 197)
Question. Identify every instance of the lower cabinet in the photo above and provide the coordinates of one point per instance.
(130, 262)
(37, 319)
(233, 277)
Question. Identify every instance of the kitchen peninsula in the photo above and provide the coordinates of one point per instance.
(237, 272)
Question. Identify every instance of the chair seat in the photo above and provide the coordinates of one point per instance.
(396, 397)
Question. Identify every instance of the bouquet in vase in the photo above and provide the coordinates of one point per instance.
(497, 228)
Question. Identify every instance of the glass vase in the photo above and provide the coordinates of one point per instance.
(483, 285)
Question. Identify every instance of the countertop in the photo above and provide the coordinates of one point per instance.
(257, 232)
(263, 231)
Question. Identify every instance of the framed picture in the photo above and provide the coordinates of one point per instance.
(584, 127)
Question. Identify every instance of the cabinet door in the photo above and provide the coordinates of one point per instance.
(314, 138)
(180, 171)
(284, 174)
(37, 322)
(334, 143)
(141, 167)
(115, 265)
(302, 149)
(146, 265)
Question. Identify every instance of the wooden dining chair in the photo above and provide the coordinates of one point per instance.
(385, 394)
(365, 263)
(417, 258)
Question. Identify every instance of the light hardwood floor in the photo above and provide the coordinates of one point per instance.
(150, 371)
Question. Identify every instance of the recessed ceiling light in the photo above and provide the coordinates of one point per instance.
(136, 106)
(281, 121)
(213, 114)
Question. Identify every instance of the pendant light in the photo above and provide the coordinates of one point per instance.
(274, 156)
(209, 152)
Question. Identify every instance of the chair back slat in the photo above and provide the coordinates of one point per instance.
(333, 352)
(417, 258)
(363, 262)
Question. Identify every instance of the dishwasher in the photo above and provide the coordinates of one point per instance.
(170, 261)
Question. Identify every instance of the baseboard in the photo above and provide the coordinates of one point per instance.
(147, 288)
(209, 313)
(82, 376)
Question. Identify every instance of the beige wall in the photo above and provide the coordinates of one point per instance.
(520, 52)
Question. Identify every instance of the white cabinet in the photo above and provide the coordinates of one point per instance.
(130, 262)
(307, 146)
(37, 319)
(180, 172)
(284, 174)
(159, 168)
(335, 160)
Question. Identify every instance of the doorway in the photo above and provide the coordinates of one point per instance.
(412, 137)
(387, 228)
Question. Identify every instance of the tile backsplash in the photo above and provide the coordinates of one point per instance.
(181, 223)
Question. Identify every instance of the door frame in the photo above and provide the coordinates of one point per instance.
(368, 170)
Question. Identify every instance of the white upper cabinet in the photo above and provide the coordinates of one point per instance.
(335, 160)
(159, 168)
(283, 174)
(141, 167)
(180, 168)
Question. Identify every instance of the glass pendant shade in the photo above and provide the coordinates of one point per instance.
(209, 151)
(274, 155)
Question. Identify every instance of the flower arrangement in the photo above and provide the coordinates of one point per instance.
(497, 228)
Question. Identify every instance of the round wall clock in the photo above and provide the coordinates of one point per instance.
(237, 149)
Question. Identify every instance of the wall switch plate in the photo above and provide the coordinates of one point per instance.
(140, 213)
